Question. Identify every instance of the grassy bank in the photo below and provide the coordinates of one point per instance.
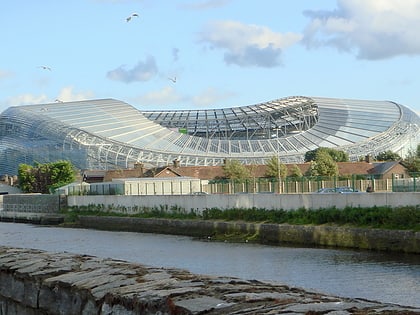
(401, 218)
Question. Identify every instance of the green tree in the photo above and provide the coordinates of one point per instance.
(41, 178)
(412, 162)
(26, 177)
(273, 168)
(388, 156)
(295, 171)
(336, 155)
(233, 169)
(323, 165)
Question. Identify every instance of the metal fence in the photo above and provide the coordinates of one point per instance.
(313, 184)
(298, 185)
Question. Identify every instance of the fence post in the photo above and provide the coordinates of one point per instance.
(392, 182)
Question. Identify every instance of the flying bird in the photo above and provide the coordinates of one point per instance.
(131, 16)
(45, 68)
(172, 79)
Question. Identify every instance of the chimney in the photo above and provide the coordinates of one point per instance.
(176, 163)
(368, 158)
(139, 166)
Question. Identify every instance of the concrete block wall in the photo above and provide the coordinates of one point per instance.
(199, 203)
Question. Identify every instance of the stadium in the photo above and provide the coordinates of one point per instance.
(106, 134)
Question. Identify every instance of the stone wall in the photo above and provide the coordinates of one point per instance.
(34, 282)
(32, 208)
(32, 203)
(275, 234)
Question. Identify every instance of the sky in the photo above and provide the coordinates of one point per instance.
(204, 54)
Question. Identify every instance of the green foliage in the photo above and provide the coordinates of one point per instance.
(336, 155)
(233, 169)
(401, 218)
(295, 172)
(274, 166)
(41, 178)
(412, 162)
(26, 177)
(323, 165)
(387, 156)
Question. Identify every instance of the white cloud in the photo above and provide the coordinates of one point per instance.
(209, 97)
(4, 74)
(67, 95)
(143, 71)
(372, 29)
(26, 99)
(168, 96)
(204, 5)
(247, 45)
(23, 99)
(165, 96)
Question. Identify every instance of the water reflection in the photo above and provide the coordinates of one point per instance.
(362, 274)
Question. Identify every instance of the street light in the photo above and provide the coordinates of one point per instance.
(278, 161)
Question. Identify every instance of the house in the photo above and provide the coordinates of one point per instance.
(377, 170)
(386, 170)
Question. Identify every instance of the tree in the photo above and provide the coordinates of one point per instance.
(388, 156)
(26, 177)
(323, 165)
(41, 178)
(233, 169)
(273, 168)
(336, 155)
(412, 162)
(295, 171)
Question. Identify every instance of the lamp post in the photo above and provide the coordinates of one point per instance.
(278, 161)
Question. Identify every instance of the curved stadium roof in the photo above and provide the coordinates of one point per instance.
(111, 134)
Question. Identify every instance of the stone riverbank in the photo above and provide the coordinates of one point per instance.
(37, 282)
(273, 234)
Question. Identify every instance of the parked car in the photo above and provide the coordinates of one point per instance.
(346, 190)
(340, 190)
(326, 190)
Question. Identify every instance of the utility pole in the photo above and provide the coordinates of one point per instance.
(278, 161)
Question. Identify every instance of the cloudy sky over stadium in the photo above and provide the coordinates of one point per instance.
(186, 54)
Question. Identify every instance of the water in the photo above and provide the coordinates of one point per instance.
(392, 278)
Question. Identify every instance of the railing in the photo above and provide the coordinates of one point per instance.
(406, 184)
(259, 185)
(301, 185)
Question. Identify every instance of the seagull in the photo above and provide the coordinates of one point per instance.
(59, 101)
(45, 68)
(172, 79)
(131, 16)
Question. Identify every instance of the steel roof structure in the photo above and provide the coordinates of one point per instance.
(111, 134)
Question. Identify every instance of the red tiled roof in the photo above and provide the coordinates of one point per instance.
(257, 171)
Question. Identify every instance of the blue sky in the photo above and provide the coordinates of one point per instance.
(223, 53)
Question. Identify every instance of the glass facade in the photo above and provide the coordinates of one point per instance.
(111, 134)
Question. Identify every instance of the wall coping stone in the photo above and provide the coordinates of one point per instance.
(38, 282)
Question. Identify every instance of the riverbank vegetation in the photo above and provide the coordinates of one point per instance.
(401, 218)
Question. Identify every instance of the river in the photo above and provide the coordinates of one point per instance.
(384, 277)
